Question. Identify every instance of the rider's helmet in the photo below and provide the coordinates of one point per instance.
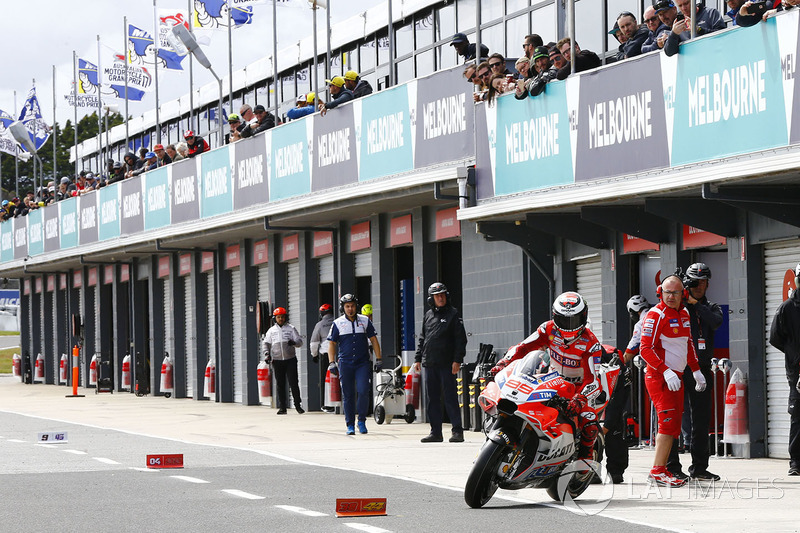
(635, 305)
(570, 313)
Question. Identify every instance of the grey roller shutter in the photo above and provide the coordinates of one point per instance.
(263, 283)
(293, 309)
(363, 264)
(168, 333)
(778, 258)
(191, 351)
(236, 288)
(589, 278)
(212, 317)
(326, 269)
(97, 335)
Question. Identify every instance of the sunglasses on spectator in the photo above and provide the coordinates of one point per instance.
(471, 78)
(495, 65)
(485, 75)
(650, 20)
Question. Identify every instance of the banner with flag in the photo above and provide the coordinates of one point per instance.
(140, 80)
(31, 116)
(88, 89)
(142, 51)
(213, 14)
(167, 18)
(7, 144)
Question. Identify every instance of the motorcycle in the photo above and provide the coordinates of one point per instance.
(530, 441)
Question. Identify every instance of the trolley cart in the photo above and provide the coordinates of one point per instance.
(390, 397)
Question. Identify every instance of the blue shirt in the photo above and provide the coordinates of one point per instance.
(299, 112)
(352, 338)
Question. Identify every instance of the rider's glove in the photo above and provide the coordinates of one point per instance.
(315, 358)
(267, 358)
(576, 405)
(672, 379)
(501, 364)
(334, 369)
(700, 381)
(378, 366)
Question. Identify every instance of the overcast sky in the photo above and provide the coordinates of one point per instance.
(39, 34)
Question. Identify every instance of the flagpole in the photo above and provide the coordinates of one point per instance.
(316, 68)
(275, 59)
(99, 116)
(190, 8)
(156, 38)
(328, 39)
(230, 68)
(35, 131)
(125, 52)
(16, 151)
(74, 105)
(55, 133)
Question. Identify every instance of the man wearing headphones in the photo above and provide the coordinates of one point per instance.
(279, 346)
(319, 342)
(784, 334)
(667, 348)
(442, 346)
(348, 352)
(706, 318)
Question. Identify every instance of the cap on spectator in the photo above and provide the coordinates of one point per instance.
(301, 98)
(150, 155)
(615, 29)
(117, 164)
(158, 147)
(188, 135)
(66, 181)
(259, 109)
(540, 51)
(661, 5)
(310, 97)
(554, 51)
(458, 38)
(337, 80)
(351, 75)
(5, 202)
(233, 117)
(82, 172)
(89, 176)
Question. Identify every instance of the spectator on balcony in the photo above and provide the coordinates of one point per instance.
(183, 149)
(339, 93)
(466, 49)
(90, 183)
(173, 153)
(194, 144)
(63, 192)
(584, 59)
(162, 155)
(523, 67)
(498, 84)
(470, 74)
(750, 13)
(707, 19)
(498, 65)
(150, 163)
(131, 163)
(234, 125)
(117, 173)
(655, 28)
(530, 43)
(667, 13)
(634, 35)
(617, 33)
(556, 59)
(305, 106)
(483, 78)
(262, 121)
(354, 83)
(546, 72)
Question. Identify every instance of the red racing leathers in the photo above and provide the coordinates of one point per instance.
(667, 343)
(577, 362)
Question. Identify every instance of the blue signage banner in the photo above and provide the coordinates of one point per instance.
(7, 241)
(290, 168)
(385, 136)
(109, 212)
(69, 222)
(35, 232)
(156, 199)
(216, 192)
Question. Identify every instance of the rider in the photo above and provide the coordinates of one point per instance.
(574, 353)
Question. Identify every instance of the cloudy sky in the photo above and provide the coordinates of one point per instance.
(39, 34)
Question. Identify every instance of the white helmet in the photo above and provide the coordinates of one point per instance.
(570, 313)
(638, 302)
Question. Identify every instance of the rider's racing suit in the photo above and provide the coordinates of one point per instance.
(577, 362)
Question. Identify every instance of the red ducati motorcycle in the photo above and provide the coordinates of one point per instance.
(530, 441)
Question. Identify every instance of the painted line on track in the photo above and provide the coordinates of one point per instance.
(300, 510)
(142, 469)
(106, 461)
(190, 479)
(45, 445)
(76, 452)
(242, 494)
(366, 527)
(16, 440)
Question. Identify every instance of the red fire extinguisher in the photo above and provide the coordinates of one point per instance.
(166, 376)
(15, 364)
(39, 375)
(412, 387)
(93, 371)
(126, 372)
(333, 392)
(736, 410)
(210, 385)
(62, 369)
(264, 380)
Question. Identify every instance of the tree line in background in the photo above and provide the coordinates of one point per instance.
(87, 128)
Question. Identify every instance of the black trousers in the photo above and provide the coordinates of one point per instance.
(794, 429)
(440, 382)
(286, 370)
(696, 418)
(616, 448)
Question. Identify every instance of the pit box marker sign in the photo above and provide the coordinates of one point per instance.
(52, 437)
(173, 460)
(346, 507)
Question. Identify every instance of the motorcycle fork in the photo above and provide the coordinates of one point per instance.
(512, 465)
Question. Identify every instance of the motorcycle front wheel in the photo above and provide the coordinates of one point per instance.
(482, 480)
(579, 482)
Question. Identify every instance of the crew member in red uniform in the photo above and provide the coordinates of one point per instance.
(574, 353)
(667, 348)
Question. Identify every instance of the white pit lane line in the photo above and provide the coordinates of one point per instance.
(106, 461)
(300, 510)
(366, 527)
(46, 445)
(142, 469)
(15, 440)
(242, 494)
(190, 479)
(76, 452)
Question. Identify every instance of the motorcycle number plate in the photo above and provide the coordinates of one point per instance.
(360, 507)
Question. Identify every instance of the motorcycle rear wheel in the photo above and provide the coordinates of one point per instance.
(482, 480)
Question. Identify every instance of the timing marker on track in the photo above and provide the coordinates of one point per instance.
(300, 510)
(52, 437)
(170, 460)
(360, 507)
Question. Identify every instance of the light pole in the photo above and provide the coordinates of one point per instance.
(20, 134)
(314, 5)
(188, 40)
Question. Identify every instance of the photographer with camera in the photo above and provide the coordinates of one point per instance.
(706, 318)
(707, 20)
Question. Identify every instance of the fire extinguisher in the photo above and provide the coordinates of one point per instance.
(126, 372)
(412, 387)
(62, 369)
(93, 371)
(166, 376)
(15, 363)
(264, 380)
(333, 392)
(736, 410)
(39, 374)
(210, 385)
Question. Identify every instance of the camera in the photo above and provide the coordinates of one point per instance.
(679, 17)
(690, 283)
